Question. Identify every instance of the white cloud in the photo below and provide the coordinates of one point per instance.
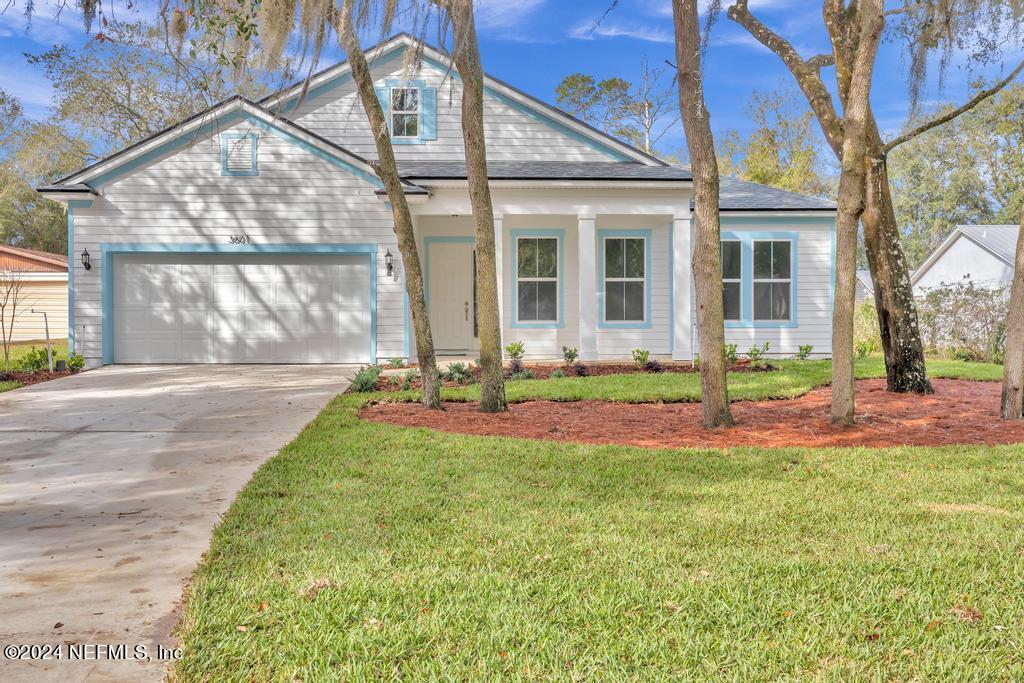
(504, 14)
(587, 30)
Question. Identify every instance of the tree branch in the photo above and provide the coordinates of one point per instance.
(807, 75)
(821, 61)
(949, 116)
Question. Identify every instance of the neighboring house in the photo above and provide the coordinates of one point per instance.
(42, 281)
(865, 287)
(258, 232)
(982, 254)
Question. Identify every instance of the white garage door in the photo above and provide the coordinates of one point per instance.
(252, 308)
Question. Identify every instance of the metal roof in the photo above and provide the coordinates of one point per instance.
(1001, 240)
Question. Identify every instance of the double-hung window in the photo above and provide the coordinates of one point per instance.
(537, 279)
(773, 280)
(405, 112)
(732, 279)
(625, 279)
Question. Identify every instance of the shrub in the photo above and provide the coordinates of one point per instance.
(366, 379)
(458, 372)
(408, 378)
(864, 348)
(523, 374)
(393, 381)
(730, 354)
(804, 351)
(965, 319)
(397, 362)
(557, 374)
(515, 366)
(581, 370)
(35, 360)
(640, 357)
(654, 365)
(569, 354)
(757, 353)
(76, 362)
(865, 327)
(516, 350)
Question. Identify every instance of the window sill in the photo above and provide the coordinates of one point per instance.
(407, 141)
(239, 173)
(516, 325)
(760, 324)
(625, 325)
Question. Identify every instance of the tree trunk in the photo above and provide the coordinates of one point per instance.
(850, 207)
(1012, 407)
(894, 297)
(466, 55)
(706, 263)
(387, 170)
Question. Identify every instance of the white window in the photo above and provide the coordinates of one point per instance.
(732, 279)
(405, 112)
(537, 279)
(625, 279)
(773, 280)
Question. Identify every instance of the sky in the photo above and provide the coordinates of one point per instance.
(533, 44)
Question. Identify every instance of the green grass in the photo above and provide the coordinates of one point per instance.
(365, 551)
(19, 349)
(794, 379)
(7, 386)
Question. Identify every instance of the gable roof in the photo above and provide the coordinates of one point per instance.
(179, 136)
(998, 240)
(31, 260)
(492, 86)
(743, 195)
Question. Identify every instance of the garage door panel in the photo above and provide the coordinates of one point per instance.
(258, 308)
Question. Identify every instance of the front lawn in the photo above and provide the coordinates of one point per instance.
(7, 386)
(59, 347)
(372, 551)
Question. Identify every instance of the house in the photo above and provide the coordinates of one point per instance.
(982, 254)
(34, 280)
(865, 287)
(258, 232)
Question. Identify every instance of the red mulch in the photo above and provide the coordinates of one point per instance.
(960, 412)
(26, 378)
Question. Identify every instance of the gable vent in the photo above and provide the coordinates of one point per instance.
(238, 154)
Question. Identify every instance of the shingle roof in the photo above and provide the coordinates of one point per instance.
(544, 170)
(742, 195)
(1001, 240)
(43, 260)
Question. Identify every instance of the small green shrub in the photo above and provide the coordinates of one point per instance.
(864, 348)
(640, 357)
(76, 362)
(730, 354)
(516, 350)
(523, 374)
(35, 360)
(397, 362)
(366, 379)
(393, 381)
(804, 351)
(515, 366)
(570, 354)
(459, 373)
(408, 378)
(757, 353)
(557, 374)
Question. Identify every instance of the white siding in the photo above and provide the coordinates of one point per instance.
(965, 259)
(183, 198)
(511, 135)
(813, 296)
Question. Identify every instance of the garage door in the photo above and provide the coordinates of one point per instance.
(252, 308)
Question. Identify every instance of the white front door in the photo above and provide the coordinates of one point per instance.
(450, 296)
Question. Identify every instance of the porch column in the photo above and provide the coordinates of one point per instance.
(681, 280)
(586, 241)
(499, 269)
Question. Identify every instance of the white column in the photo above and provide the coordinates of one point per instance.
(587, 266)
(499, 235)
(681, 281)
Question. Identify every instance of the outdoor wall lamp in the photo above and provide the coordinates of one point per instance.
(86, 262)
(389, 262)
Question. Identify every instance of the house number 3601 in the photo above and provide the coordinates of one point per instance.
(238, 239)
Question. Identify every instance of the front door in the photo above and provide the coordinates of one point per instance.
(450, 295)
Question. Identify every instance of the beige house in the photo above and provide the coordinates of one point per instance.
(43, 282)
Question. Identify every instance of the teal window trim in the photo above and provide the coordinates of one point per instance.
(646, 323)
(743, 298)
(109, 251)
(514, 236)
(225, 141)
(747, 239)
(421, 124)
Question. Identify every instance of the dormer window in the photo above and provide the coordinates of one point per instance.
(405, 112)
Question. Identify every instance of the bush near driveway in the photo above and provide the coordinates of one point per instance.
(371, 551)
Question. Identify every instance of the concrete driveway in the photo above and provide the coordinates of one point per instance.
(110, 484)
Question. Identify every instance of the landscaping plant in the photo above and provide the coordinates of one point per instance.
(731, 356)
(570, 354)
(76, 362)
(397, 362)
(516, 350)
(366, 379)
(757, 353)
(654, 365)
(640, 357)
(804, 351)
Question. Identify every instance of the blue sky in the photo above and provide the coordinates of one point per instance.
(533, 44)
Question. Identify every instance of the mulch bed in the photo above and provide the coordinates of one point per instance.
(960, 412)
(26, 378)
(544, 371)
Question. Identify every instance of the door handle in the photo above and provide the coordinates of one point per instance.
(466, 307)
